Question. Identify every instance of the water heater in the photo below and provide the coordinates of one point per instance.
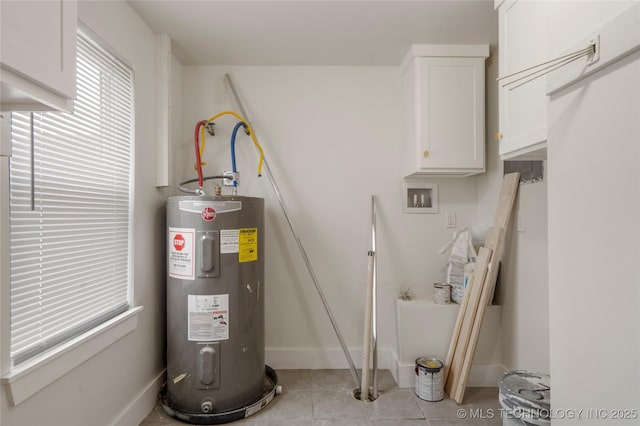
(215, 308)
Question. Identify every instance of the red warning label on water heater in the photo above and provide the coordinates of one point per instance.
(180, 256)
(208, 214)
(178, 242)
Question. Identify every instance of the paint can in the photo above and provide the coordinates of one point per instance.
(429, 379)
(442, 293)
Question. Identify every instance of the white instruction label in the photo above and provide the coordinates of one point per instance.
(229, 241)
(208, 317)
(181, 244)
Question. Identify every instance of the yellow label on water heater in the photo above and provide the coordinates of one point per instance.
(247, 244)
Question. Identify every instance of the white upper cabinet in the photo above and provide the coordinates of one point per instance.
(38, 54)
(444, 110)
(522, 110)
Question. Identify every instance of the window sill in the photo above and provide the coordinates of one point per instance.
(25, 380)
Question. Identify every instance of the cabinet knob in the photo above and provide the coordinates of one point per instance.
(425, 154)
(498, 136)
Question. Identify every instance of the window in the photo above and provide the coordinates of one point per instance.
(71, 209)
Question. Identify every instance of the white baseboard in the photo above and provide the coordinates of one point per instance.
(481, 375)
(314, 359)
(142, 404)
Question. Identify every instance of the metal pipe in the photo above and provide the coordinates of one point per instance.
(197, 191)
(366, 343)
(374, 314)
(303, 253)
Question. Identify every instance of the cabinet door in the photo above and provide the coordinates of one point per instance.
(523, 110)
(450, 126)
(39, 44)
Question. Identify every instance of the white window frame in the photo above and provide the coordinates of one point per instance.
(24, 380)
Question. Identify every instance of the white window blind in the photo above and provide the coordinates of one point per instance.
(70, 207)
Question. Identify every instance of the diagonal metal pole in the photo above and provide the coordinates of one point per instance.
(354, 371)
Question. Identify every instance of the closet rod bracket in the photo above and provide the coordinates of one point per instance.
(594, 43)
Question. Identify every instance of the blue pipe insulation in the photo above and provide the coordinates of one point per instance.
(233, 147)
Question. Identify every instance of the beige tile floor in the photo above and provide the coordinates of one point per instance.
(324, 398)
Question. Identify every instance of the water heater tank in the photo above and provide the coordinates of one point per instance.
(215, 303)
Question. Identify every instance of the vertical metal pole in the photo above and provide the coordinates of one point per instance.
(366, 341)
(354, 371)
(374, 313)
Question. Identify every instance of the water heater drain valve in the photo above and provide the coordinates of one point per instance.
(206, 407)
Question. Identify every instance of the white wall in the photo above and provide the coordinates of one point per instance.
(332, 138)
(594, 211)
(594, 226)
(524, 293)
(119, 385)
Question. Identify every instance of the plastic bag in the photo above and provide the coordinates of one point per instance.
(462, 250)
(461, 263)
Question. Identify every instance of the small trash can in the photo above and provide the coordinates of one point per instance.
(525, 398)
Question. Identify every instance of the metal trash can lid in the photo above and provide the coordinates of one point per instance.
(526, 388)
